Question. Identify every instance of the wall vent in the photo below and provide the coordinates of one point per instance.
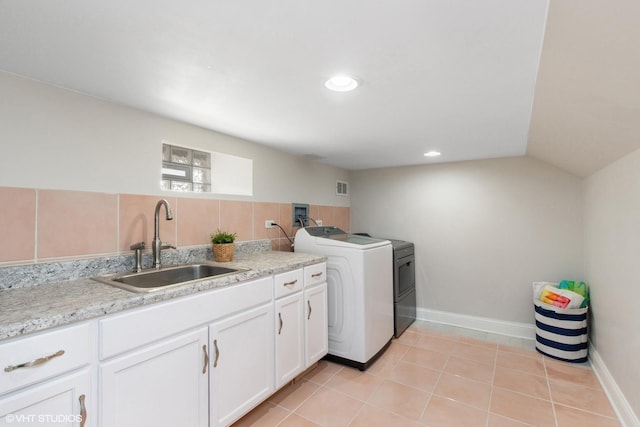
(341, 188)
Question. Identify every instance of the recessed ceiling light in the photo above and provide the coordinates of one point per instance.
(341, 83)
(432, 153)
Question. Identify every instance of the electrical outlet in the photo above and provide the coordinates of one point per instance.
(319, 222)
(269, 223)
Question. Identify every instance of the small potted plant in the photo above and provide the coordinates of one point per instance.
(223, 245)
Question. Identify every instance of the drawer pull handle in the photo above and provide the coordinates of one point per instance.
(215, 346)
(35, 362)
(317, 274)
(281, 323)
(309, 305)
(206, 359)
(291, 283)
(83, 411)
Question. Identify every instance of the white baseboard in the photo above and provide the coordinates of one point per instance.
(620, 404)
(523, 330)
(484, 324)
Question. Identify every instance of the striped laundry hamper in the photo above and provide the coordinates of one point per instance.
(561, 333)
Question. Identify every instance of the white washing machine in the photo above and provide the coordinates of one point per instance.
(360, 292)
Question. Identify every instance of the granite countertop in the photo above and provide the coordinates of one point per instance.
(36, 308)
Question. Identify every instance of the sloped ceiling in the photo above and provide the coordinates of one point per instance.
(586, 111)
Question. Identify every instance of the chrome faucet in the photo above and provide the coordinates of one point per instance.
(157, 245)
(137, 248)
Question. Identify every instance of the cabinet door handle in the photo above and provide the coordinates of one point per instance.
(309, 305)
(316, 275)
(35, 362)
(83, 411)
(281, 323)
(215, 346)
(206, 359)
(291, 283)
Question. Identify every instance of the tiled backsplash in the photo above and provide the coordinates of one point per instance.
(43, 225)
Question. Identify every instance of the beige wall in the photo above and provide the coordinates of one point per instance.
(483, 230)
(57, 139)
(612, 259)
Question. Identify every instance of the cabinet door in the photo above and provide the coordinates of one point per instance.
(242, 371)
(316, 323)
(61, 401)
(165, 384)
(289, 338)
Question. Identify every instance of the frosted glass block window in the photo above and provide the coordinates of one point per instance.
(185, 169)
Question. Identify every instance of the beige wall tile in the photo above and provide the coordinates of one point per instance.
(18, 225)
(73, 223)
(326, 214)
(197, 220)
(237, 217)
(286, 219)
(263, 211)
(314, 211)
(342, 218)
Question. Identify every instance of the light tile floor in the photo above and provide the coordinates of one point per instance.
(441, 376)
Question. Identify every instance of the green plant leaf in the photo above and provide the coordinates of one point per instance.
(223, 237)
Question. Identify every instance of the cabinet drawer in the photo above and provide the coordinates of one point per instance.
(288, 283)
(126, 331)
(314, 274)
(43, 356)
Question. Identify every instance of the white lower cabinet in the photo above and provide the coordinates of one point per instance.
(62, 401)
(316, 323)
(164, 384)
(45, 378)
(241, 363)
(289, 327)
(202, 360)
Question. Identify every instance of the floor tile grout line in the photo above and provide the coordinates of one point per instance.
(493, 377)
(524, 423)
(319, 387)
(301, 403)
(522, 371)
(424, 409)
(553, 406)
(298, 415)
(587, 412)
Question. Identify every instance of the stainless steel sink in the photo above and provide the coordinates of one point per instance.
(153, 280)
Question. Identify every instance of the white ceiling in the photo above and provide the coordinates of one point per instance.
(457, 76)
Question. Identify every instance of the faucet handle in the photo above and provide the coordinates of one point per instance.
(137, 246)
